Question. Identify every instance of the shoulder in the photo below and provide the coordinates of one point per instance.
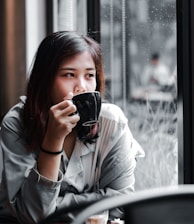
(13, 116)
(112, 112)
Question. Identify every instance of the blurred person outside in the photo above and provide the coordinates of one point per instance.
(156, 73)
(156, 82)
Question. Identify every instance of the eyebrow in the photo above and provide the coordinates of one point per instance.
(73, 69)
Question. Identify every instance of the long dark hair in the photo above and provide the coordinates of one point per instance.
(53, 50)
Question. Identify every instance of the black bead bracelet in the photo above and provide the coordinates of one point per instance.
(49, 152)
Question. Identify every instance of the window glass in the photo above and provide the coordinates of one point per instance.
(72, 15)
(139, 43)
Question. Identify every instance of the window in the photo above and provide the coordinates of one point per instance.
(136, 34)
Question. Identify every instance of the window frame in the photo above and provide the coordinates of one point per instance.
(185, 79)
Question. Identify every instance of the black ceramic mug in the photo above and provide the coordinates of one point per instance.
(88, 107)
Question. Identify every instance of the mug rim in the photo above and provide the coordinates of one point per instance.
(87, 93)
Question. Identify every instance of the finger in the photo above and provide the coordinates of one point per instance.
(69, 96)
(74, 118)
(71, 121)
(69, 110)
(63, 104)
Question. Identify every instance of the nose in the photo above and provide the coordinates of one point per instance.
(80, 86)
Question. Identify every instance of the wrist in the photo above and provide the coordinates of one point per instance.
(50, 152)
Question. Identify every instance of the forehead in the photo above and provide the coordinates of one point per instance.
(83, 59)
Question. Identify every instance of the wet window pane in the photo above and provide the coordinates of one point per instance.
(72, 15)
(139, 43)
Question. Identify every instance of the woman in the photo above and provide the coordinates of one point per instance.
(47, 164)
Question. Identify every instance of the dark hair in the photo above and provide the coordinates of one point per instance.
(53, 50)
(155, 56)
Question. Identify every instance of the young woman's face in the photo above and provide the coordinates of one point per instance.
(76, 75)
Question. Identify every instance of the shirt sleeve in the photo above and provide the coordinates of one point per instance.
(30, 195)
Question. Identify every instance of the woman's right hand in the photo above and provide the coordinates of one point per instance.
(62, 119)
(60, 124)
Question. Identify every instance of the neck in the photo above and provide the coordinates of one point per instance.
(69, 143)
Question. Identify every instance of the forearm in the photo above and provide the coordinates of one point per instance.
(71, 200)
(48, 164)
(37, 198)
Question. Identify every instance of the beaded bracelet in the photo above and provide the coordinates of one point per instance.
(49, 152)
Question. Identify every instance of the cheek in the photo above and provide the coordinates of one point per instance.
(92, 86)
(58, 92)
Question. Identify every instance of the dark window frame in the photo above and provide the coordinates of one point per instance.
(93, 19)
(185, 79)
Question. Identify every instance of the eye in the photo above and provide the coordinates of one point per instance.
(91, 75)
(68, 75)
